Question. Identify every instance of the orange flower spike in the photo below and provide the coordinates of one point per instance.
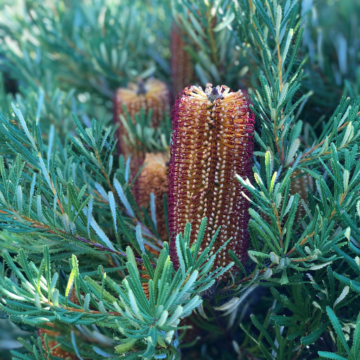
(212, 141)
(182, 71)
(154, 179)
(150, 94)
(300, 186)
(52, 343)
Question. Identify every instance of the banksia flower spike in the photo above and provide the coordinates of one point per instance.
(145, 285)
(182, 70)
(55, 349)
(150, 94)
(300, 186)
(52, 343)
(212, 141)
(154, 179)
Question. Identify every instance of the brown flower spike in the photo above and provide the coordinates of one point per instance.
(52, 343)
(55, 349)
(182, 70)
(154, 179)
(212, 141)
(150, 94)
(299, 186)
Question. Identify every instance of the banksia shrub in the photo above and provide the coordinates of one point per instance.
(94, 264)
(154, 179)
(182, 70)
(150, 94)
(212, 141)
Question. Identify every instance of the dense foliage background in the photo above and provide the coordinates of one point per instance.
(62, 62)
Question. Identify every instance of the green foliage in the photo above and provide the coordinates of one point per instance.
(94, 45)
(144, 137)
(206, 27)
(36, 295)
(343, 346)
(78, 252)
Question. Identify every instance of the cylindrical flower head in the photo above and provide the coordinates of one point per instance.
(144, 285)
(56, 351)
(212, 141)
(150, 94)
(300, 186)
(144, 274)
(182, 71)
(154, 179)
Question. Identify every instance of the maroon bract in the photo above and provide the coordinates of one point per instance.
(212, 141)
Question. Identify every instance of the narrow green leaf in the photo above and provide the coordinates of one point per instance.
(312, 337)
(336, 324)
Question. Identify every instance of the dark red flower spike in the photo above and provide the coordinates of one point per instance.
(212, 141)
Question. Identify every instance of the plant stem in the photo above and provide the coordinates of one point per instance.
(279, 66)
